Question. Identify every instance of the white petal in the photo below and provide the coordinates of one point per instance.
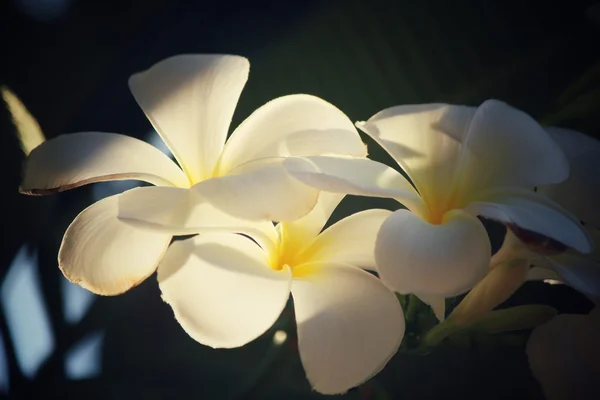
(506, 147)
(414, 256)
(425, 140)
(578, 272)
(183, 211)
(531, 211)
(105, 255)
(580, 193)
(73, 160)
(357, 176)
(221, 289)
(260, 190)
(295, 125)
(299, 233)
(437, 304)
(349, 326)
(190, 100)
(349, 241)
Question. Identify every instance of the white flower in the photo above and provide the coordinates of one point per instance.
(580, 193)
(463, 162)
(226, 290)
(564, 356)
(190, 100)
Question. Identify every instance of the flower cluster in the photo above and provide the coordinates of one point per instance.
(291, 162)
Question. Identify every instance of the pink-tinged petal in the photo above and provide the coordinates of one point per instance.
(190, 100)
(349, 241)
(349, 326)
(179, 211)
(533, 212)
(505, 147)
(356, 176)
(563, 356)
(580, 193)
(425, 140)
(73, 160)
(414, 256)
(260, 190)
(221, 288)
(295, 125)
(106, 256)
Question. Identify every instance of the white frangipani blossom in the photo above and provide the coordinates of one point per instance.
(552, 261)
(190, 101)
(464, 162)
(226, 290)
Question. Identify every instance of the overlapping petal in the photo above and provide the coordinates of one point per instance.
(190, 100)
(105, 255)
(348, 241)
(221, 288)
(349, 326)
(425, 140)
(536, 213)
(357, 176)
(578, 272)
(505, 147)
(294, 125)
(414, 256)
(72, 160)
(580, 193)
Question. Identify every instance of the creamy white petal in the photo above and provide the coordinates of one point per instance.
(294, 125)
(563, 356)
(578, 272)
(437, 304)
(414, 256)
(496, 287)
(349, 326)
(72, 160)
(183, 211)
(190, 100)
(299, 233)
(531, 211)
(425, 140)
(221, 288)
(349, 241)
(106, 256)
(506, 147)
(580, 193)
(357, 176)
(260, 190)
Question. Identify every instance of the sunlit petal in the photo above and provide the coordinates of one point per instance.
(414, 256)
(105, 255)
(425, 140)
(179, 211)
(349, 241)
(260, 190)
(73, 160)
(27, 128)
(190, 100)
(580, 193)
(357, 176)
(221, 288)
(506, 147)
(531, 211)
(295, 125)
(349, 326)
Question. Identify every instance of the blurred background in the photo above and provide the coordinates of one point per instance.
(69, 60)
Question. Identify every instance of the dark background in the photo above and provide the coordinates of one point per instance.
(69, 60)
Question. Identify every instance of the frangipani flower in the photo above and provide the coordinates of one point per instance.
(190, 100)
(226, 290)
(553, 261)
(564, 356)
(463, 162)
